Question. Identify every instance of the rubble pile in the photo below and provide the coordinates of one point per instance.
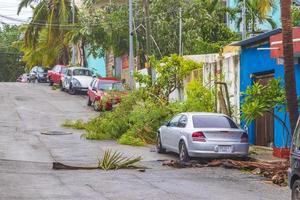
(275, 172)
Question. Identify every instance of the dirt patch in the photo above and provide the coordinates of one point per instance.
(275, 172)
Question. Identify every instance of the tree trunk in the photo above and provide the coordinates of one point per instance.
(289, 71)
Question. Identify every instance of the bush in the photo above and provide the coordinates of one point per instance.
(199, 98)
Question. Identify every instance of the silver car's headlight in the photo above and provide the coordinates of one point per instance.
(76, 83)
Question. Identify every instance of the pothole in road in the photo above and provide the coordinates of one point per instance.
(23, 98)
(56, 133)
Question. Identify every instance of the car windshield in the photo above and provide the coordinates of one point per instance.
(82, 72)
(40, 70)
(63, 70)
(110, 85)
(212, 121)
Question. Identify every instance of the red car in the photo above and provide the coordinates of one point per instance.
(54, 75)
(104, 93)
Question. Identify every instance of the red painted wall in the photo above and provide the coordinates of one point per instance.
(278, 37)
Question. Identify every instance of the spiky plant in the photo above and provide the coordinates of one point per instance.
(112, 160)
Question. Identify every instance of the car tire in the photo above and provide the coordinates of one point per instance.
(71, 90)
(183, 152)
(95, 106)
(89, 102)
(61, 86)
(296, 190)
(159, 147)
(50, 82)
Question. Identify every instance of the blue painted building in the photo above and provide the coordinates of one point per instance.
(96, 64)
(256, 65)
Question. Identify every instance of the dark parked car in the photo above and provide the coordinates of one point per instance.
(294, 170)
(38, 74)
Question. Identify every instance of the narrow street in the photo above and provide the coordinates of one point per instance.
(26, 156)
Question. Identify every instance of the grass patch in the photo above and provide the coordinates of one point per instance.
(55, 87)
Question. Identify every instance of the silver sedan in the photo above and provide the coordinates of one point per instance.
(207, 135)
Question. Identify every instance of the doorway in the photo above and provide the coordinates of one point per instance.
(264, 126)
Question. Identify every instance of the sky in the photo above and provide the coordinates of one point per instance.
(8, 8)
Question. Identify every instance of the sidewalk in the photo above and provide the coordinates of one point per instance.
(263, 154)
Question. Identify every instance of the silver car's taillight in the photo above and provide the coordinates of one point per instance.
(198, 137)
(244, 138)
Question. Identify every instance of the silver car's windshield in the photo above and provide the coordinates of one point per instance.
(211, 121)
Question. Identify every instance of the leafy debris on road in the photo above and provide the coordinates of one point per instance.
(275, 172)
(111, 160)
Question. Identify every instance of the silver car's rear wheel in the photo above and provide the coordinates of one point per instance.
(296, 190)
(183, 153)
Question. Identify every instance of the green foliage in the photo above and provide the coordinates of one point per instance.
(111, 125)
(171, 73)
(199, 98)
(116, 160)
(10, 65)
(259, 99)
(104, 28)
(257, 12)
(43, 42)
(139, 115)
(131, 139)
(79, 124)
(295, 16)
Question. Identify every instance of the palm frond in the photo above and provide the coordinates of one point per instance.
(24, 4)
(116, 160)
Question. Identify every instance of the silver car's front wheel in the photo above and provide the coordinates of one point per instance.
(183, 153)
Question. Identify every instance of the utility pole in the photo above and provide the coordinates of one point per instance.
(131, 57)
(244, 31)
(180, 32)
(148, 39)
(73, 21)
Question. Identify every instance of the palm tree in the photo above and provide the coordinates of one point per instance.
(257, 11)
(44, 35)
(289, 71)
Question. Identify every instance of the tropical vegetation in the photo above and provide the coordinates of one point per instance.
(44, 42)
(257, 12)
(10, 62)
(139, 115)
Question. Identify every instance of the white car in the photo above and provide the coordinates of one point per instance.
(77, 79)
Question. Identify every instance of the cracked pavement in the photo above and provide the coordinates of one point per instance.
(26, 158)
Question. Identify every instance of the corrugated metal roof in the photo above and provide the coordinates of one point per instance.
(258, 38)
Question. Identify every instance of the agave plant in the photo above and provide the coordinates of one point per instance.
(112, 160)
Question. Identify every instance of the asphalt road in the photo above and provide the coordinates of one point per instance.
(26, 156)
